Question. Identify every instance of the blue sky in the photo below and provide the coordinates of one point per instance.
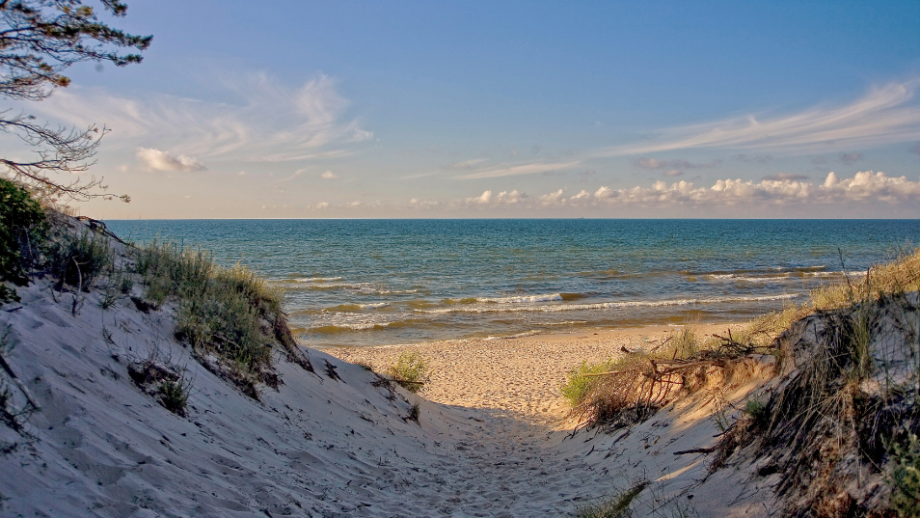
(509, 109)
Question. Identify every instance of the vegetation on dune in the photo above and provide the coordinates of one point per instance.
(410, 371)
(22, 228)
(841, 426)
(230, 317)
(619, 506)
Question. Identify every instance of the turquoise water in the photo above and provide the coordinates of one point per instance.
(371, 282)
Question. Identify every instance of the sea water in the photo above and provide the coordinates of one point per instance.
(374, 282)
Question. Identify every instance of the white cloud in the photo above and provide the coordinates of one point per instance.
(553, 199)
(483, 199)
(520, 169)
(881, 117)
(466, 164)
(329, 175)
(503, 198)
(674, 172)
(863, 187)
(322, 205)
(157, 160)
(268, 122)
(656, 163)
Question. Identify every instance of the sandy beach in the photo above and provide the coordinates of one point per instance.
(516, 377)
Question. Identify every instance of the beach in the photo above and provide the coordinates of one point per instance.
(516, 377)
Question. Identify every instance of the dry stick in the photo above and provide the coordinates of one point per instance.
(405, 381)
(79, 287)
(695, 450)
(22, 387)
(661, 344)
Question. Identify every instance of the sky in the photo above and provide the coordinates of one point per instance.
(475, 109)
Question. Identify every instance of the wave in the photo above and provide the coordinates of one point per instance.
(607, 305)
(357, 307)
(312, 279)
(523, 298)
(798, 273)
(331, 329)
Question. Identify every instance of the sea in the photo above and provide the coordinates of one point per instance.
(378, 282)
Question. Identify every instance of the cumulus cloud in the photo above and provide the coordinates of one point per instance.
(329, 175)
(849, 158)
(553, 199)
(503, 198)
(883, 116)
(674, 172)
(867, 186)
(863, 187)
(157, 160)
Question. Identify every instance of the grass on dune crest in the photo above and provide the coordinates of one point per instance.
(899, 276)
(627, 379)
(229, 312)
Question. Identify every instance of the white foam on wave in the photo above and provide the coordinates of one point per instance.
(523, 299)
(604, 305)
(317, 279)
(374, 305)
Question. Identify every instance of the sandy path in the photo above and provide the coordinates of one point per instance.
(518, 377)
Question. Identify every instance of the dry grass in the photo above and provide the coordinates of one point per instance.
(627, 389)
(848, 415)
(899, 276)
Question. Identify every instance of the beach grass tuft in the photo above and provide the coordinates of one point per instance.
(410, 371)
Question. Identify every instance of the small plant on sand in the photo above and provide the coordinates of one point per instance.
(174, 395)
(905, 478)
(410, 371)
(620, 506)
(757, 411)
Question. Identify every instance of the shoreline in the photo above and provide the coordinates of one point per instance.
(516, 377)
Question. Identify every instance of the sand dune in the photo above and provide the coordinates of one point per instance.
(489, 439)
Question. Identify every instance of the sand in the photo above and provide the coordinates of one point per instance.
(489, 440)
(516, 377)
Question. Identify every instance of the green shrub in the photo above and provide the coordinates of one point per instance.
(578, 385)
(77, 261)
(905, 478)
(23, 228)
(410, 369)
(174, 395)
(620, 506)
